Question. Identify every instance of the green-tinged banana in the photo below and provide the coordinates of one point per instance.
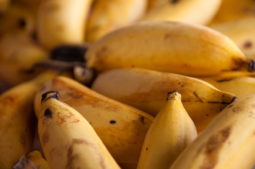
(242, 33)
(227, 143)
(32, 160)
(4, 5)
(17, 120)
(121, 127)
(170, 133)
(68, 140)
(190, 11)
(62, 21)
(170, 47)
(146, 90)
(107, 16)
(18, 53)
(231, 10)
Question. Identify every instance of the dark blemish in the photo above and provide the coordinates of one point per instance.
(218, 102)
(173, 1)
(23, 139)
(53, 94)
(45, 138)
(22, 23)
(142, 119)
(198, 98)
(207, 115)
(247, 45)
(48, 113)
(233, 99)
(224, 80)
(251, 67)
(112, 121)
(180, 84)
(146, 149)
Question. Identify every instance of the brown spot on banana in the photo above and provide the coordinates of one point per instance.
(247, 45)
(48, 113)
(174, 1)
(198, 98)
(45, 138)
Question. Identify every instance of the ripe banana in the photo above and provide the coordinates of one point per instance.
(228, 143)
(170, 133)
(170, 47)
(68, 140)
(17, 120)
(242, 33)
(121, 127)
(18, 53)
(107, 16)
(190, 11)
(32, 160)
(62, 21)
(146, 90)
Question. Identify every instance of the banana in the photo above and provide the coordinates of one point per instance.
(18, 53)
(68, 140)
(190, 11)
(228, 143)
(107, 16)
(146, 90)
(170, 47)
(231, 10)
(32, 160)
(17, 120)
(170, 133)
(242, 33)
(62, 21)
(121, 127)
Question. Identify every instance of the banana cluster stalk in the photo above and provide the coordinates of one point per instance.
(169, 47)
(109, 118)
(190, 11)
(170, 133)
(228, 143)
(107, 16)
(67, 138)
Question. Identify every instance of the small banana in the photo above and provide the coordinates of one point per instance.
(146, 90)
(227, 143)
(170, 133)
(68, 140)
(62, 21)
(169, 47)
(121, 127)
(17, 120)
(32, 160)
(190, 11)
(107, 16)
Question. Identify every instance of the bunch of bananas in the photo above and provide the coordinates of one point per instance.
(137, 84)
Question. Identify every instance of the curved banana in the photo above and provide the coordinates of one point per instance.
(146, 90)
(109, 118)
(227, 143)
(190, 11)
(170, 47)
(242, 33)
(62, 21)
(170, 133)
(17, 120)
(107, 16)
(68, 140)
(32, 160)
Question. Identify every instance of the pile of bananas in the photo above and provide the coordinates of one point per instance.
(132, 84)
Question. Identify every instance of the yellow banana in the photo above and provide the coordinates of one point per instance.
(17, 120)
(190, 11)
(121, 127)
(146, 90)
(227, 143)
(32, 160)
(242, 33)
(68, 140)
(62, 21)
(107, 16)
(170, 133)
(170, 47)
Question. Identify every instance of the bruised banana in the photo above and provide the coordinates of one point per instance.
(32, 160)
(227, 143)
(17, 120)
(121, 127)
(146, 90)
(242, 33)
(68, 140)
(190, 11)
(62, 21)
(169, 47)
(170, 133)
(107, 16)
